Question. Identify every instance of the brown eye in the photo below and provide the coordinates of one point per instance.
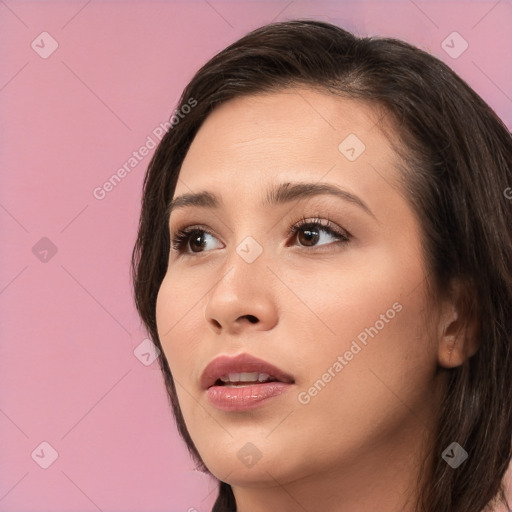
(309, 236)
(191, 240)
(196, 240)
(309, 233)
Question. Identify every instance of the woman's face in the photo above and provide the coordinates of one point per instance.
(342, 314)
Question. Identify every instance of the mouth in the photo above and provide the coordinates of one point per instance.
(243, 382)
(242, 370)
(237, 380)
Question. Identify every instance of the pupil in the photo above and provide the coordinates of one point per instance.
(311, 236)
(195, 238)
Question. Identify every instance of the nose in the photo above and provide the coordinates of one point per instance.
(242, 299)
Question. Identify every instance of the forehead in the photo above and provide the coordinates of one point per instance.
(295, 134)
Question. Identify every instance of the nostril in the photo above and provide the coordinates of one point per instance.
(252, 319)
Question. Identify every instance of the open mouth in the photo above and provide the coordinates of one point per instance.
(244, 379)
(243, 372)
(235, 386)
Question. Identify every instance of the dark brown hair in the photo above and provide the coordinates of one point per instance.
(458, 165)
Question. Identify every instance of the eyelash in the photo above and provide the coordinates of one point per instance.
(183, 235)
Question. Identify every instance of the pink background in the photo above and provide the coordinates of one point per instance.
(69, 376)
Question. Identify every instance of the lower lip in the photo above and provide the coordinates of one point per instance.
(242, 398)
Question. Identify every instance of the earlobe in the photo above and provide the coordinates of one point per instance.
(458, 328)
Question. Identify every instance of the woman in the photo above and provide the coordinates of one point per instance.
(324, 258)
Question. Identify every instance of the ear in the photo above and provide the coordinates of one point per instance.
(458, 326)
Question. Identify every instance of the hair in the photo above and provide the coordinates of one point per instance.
(457, 157)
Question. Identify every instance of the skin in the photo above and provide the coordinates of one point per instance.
(359, 442)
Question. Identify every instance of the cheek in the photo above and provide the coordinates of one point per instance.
(372, 316)
(378, 367)
(374, 392)
(178, 314)
(366, 290)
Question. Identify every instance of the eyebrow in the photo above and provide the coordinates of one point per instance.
(283, 193)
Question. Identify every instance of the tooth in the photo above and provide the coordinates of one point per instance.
(244, 377)
(247, 377)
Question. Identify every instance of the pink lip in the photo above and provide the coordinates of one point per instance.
(245, 397)
(223, 365)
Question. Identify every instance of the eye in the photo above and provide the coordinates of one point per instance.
(309, 232)
(194, 239)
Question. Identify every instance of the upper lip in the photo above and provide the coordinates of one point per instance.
(223, 365)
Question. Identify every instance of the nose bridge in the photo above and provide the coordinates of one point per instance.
(247, 240)
(242, 289)
(244, 270)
